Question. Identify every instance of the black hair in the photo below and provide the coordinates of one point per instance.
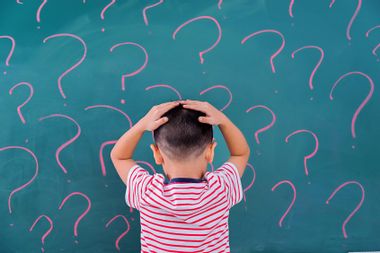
(183, 135)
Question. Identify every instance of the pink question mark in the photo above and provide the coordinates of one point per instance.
(83, 214)
(111, 142)
(31, 91)
(165, 86)
(356, 208)
(363, 103)
(105, 9)
(315, 149)
(136, 71)
(293, 200)
(378, 45)
(11, 51)
(124, 233)
(76, 64)
(27, 183)
(268, 31)
(148, 7)
(199, 18)
(64, 145)
(264, 128)
(318, 64)
(219, 87)
(252, 182)
(352, 18)
(47, 232)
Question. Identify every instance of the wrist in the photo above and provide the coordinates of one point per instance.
(140, 126)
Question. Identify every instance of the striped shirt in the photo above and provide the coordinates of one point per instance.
(187, 215)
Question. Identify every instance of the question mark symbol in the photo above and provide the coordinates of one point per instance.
(314, 151)
(268, 31)
(124, 233)
(264, 128)
(82, 215)
(199, 18)
(293, 200)
(11, 51)
(76, 64)
(356, 208)
(47, 232)
(31, 91)
(105, 9)
(316, 66)
(64, 145)
(134, 72)
(27, 183)
(372, 87)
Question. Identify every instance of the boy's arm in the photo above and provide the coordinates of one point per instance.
(122, 152)
(236, 143)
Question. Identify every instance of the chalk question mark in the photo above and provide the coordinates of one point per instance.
(136, 71)
(200, 18)
(83, 214)
(76, 64)
(105, 9)
(293, 200)
(220, 87)
(147, 8)
(356, 208)
(122, 234)
(11, 51)
(31, 91)
(352, 18)
(316, 66)
(365, 101)
(67, 143)
(268, 31)
(27, 183)
(314, 151)
(111, 142)
(47, 232)
(266, 127)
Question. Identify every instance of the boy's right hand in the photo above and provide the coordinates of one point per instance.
(213, 115)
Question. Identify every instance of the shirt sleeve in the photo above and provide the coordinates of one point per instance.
(229, 176)
(138, 180)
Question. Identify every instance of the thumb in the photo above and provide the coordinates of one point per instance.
(161, 121)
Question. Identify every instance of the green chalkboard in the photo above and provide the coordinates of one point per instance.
(297, 77)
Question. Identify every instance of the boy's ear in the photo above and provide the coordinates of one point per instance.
(210, 151)
(156, 154)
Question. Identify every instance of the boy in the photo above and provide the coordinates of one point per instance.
(188, 210)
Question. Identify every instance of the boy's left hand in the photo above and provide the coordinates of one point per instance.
(152, 120)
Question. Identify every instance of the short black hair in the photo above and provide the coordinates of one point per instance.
(183, 135)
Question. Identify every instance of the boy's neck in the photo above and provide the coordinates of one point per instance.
(193, 169)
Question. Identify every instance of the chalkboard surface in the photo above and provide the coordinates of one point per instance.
(297, 77)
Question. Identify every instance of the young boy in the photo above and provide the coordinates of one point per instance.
(188, 210)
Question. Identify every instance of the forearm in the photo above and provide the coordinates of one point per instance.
(126, 145)
(236, 142)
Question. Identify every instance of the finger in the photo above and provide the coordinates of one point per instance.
(197, 107)
(188, 101)
(160, 122)
(206, 120)
(168, 103)
(165, 108)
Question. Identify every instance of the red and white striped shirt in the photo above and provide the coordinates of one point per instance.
(187, 215)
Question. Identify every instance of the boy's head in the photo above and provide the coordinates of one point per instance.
(183, 136)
